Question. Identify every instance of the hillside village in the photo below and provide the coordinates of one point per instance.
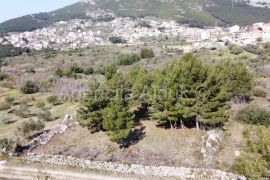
(85, 33)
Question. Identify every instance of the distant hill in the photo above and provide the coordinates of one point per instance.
(194, 12)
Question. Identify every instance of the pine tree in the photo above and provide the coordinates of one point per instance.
(194, 95)
(237, 79)
(118, 121)
(90, 113)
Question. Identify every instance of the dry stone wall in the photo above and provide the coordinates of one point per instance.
(162, 171)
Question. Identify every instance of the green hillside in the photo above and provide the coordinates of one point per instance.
(195, 12)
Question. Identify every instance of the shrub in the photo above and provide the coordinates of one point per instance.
(3, 76)
(40, 104)
(266, 46)
(110, 70)
(237, 79)
(253, 114)
(74, 68)
(5, 143)
(259, 92)
(7, 119)
(45, 115)
(31, 127)
(253, 49)
(23, 111)
(4, 106)
(53, 100)
(127, 59)
(117, 40)
(88, 71)
(29, 87)
(254, 162)
(9, 100)
(58, 72)
(147, 53)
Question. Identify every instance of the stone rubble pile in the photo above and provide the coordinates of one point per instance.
(46, 137)
(162, 171)
(211, 144)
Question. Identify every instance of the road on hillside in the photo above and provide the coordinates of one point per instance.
(25, 173)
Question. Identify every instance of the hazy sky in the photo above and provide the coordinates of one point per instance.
(15, 8)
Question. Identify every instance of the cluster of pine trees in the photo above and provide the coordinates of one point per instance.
(185, 93)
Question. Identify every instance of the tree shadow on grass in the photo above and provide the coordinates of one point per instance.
(134, 137)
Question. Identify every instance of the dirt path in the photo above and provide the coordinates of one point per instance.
(26, 173)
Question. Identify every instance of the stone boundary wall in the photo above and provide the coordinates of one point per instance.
(162, 171)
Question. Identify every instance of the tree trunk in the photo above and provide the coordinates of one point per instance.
(171, 124)
(182, 124)
(197, 124)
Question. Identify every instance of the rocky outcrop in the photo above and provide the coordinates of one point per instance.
(162, 171)
(211, 144)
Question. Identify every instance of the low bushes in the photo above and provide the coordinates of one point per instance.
(29, 87)
(53, 100)
(45, 115)
(254, 161)
(31, 127)
(7, 103)
(23, 111)
(253, 114)
(4, 106)
(40, 104)
(73, 71)
(110, 70)
(127, 59)
(259, 93)
(147, 53)
(117, 40)
(5, 143)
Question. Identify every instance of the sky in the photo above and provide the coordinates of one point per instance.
(15, 8)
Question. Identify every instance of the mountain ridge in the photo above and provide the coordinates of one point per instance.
(197, 12)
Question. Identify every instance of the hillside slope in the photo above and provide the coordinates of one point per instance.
(196, 12)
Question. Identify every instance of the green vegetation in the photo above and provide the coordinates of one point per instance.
(259, 93)
(254, 163)
(127, 59)
(157, 97)
(237, 79)
(37, 21)
(45, 115)
(110, 70)
(11, 51)
(53, 100)
(118, 121)
(40, 104)
(147, 53)
(253, 114)
(194, 95)
(117, 40)
(5, 144)
(31, 127)
(240, 13)
(73, 71)
(29, 87)
(23, 111)
(184, 93)
(7, 104)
